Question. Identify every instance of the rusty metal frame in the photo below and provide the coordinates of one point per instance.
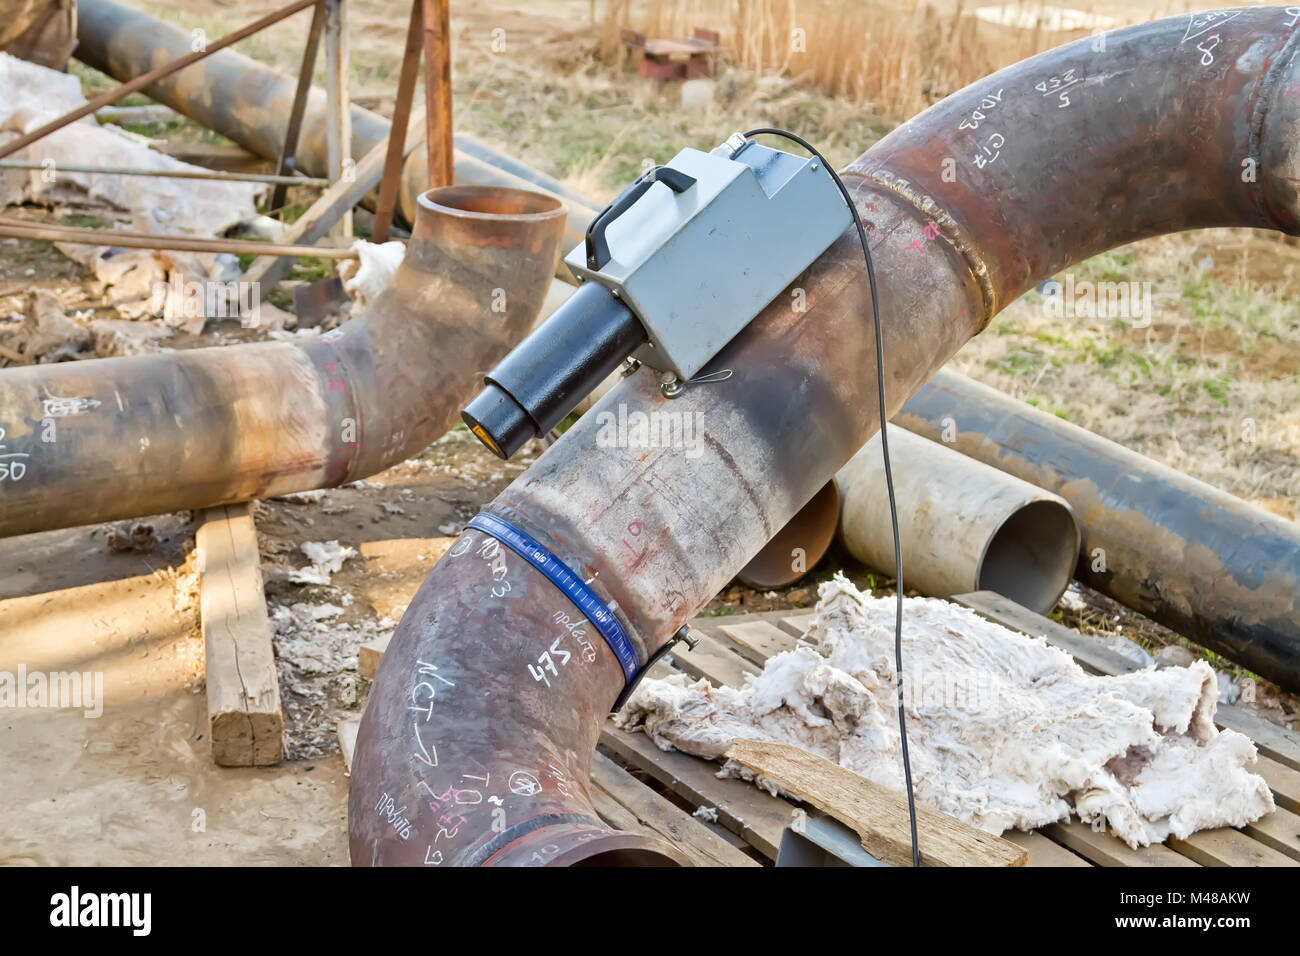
(392, 174)
(285, 165)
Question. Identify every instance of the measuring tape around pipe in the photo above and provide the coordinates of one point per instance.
(558, 573)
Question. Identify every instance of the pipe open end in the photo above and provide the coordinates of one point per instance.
(1031, 557)
(491, 202)
(568, 844)
(799, 545)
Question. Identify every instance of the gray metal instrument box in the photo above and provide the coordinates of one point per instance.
(696, 266)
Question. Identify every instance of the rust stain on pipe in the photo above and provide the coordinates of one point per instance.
(658, 536)
(123, 437)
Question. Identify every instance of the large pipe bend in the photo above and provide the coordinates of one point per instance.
(1152, 140)
(123, 437)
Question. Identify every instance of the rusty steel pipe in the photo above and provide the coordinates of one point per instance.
(1158, 142)
(1197, 559)
(124, 437)
(964, 526)
(250, 103)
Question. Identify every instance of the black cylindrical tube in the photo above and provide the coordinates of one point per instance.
(564, 358)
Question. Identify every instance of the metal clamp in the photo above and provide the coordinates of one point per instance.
(670, 386)
(683, 635)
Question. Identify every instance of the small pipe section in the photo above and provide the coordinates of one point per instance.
(1196, 559)
(798, 546)
(123, 437)
(1158, 138)
(963, 525)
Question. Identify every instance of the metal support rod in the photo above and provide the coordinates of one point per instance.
(338, 130)
(286, 164)
(392, 174)
(437, 91)
(138, 240)
(168, 174)
(140, 82)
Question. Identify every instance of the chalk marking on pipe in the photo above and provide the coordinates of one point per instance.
(558, 573)
(948, 226)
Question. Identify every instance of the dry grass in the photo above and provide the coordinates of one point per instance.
(1210, 388)
(894, 58)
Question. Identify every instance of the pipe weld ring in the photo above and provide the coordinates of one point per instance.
(948, 228)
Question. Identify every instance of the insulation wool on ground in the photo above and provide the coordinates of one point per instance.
(1004, 731)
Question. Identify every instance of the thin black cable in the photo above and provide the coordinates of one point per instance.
(889, 475)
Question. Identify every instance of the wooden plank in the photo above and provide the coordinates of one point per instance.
(370, 654)
(1042, 851)
(338, 111)
(1279, 830)
(437, 92)
(1273, 741)
(1283, 781)
(709, 659)
(1228, 847)
(245, 724)
(758, 640)
(348, 728)
(614, 813)
(878, 815)
(796, 624)
(1089, 653)
(1105, 849)
(754, 815)
(341, 196)
(696, 841)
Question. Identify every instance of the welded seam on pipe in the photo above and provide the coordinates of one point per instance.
(1266, 88)
(948, 228)
(520, 830)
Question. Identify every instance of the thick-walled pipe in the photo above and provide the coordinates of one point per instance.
(249, 103)
(123, 437)
(1223, 573)
(1157, 131)
(964, 526)
(798, 546)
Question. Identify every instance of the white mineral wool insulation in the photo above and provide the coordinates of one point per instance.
(36, 94)
(326, 558)
(372, 271)
(1003, 730)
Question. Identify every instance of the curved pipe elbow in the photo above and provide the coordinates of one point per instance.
(124, 437)
(1151, 140)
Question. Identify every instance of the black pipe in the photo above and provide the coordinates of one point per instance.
(559, 364)
(1194, 558)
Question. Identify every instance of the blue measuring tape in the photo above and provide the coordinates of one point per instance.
(558, 573)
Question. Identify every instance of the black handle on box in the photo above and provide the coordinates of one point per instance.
(597, 247)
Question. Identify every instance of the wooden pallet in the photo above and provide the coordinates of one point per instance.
(639, 787)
